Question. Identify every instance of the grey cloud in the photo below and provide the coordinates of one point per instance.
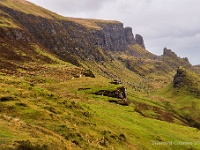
(72, 6)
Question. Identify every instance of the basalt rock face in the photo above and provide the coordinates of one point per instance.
(111, 37)
(129, 36)
(70, 40)
(139, 40)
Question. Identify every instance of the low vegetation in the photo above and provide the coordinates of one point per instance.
(69, 115)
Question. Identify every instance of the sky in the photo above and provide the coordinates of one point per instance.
(174, 24)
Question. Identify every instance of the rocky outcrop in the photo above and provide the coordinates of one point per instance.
(129, 36)
(179, 78)
(169, 53)
(111, 37)
(187, 80)
(139, 40)
(120, 93)
(173, 60)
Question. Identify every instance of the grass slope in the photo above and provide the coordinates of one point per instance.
(184, 99)
(79, 119)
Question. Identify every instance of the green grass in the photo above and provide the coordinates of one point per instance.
(184, 100)
(81, 120)
(124, 117)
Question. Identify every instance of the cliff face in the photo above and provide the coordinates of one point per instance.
(70, 39)
(129, 36)
(112, 37)
(139, 40)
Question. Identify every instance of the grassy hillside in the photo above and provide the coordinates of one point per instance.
(46, 103)
(69, 114)
(183, 98)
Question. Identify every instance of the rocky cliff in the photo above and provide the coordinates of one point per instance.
(129, 36)
(70, 39)
(139, 40)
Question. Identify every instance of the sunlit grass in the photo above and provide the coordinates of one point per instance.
(81, 116)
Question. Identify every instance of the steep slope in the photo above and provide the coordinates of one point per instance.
(17, 44)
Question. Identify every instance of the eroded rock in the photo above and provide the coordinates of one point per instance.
(179, 78)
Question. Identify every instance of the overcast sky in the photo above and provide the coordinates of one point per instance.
(174, 24)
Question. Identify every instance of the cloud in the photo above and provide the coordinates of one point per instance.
(163, 23)
(72, 6)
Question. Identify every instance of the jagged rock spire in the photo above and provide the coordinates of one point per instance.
(139, 40)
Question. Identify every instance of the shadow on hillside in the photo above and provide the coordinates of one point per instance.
(120, 102)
